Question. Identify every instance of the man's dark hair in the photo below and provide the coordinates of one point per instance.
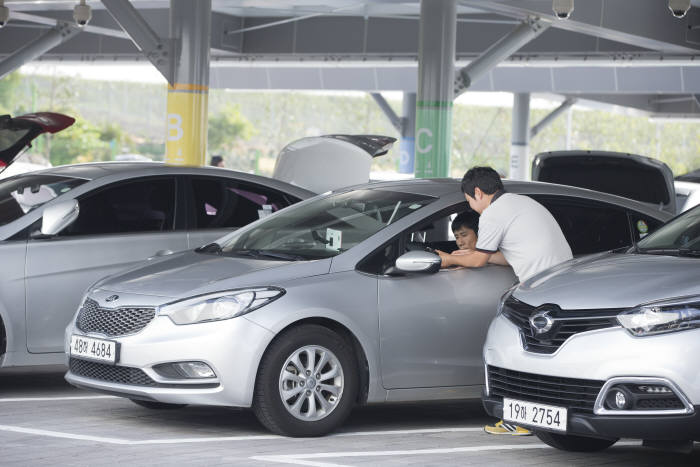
(216, 160)
(485, 178)
(468, 219)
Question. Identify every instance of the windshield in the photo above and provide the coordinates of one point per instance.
(324, 227)
(681, 235)
(24, 193)
(9, 137)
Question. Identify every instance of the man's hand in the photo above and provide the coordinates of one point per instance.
(464, 258)
(446, 259)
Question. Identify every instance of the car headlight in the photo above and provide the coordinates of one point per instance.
(662, 317)
(505, 297)
(220, 305)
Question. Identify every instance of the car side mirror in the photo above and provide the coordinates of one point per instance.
(59, 216)
(418, 261)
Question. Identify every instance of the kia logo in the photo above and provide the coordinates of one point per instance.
(541, 322)
(112, 298)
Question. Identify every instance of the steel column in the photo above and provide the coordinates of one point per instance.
(436, 59)
(190, 27)
(502, 49)
(55, 36)
(408, 134)
(519, 160)
(549, 118)
(388, 111)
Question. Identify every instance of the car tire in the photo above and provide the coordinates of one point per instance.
(574, 443)
(288, 399)
(153, 405)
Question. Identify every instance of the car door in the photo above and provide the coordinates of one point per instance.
(432, 326)
(218, 205)
(118, 226)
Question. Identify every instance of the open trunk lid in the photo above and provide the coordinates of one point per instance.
(17, 133)
(628, 175)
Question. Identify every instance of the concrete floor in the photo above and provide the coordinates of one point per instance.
(44, 421)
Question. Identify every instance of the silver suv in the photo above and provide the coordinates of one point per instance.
(604, 347)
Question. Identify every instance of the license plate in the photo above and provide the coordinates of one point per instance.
(534, 414)
(93, 349)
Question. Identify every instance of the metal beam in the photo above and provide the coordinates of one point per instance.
(407, 147)
(549, 118)
(647, 23)
(498, 52)
(37, 19)
(53, 37)
(156, 49)
(388, 111)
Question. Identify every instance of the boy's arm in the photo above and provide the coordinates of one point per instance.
(475, 259)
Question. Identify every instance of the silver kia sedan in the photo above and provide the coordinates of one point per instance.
(335, 301)
(61, 229)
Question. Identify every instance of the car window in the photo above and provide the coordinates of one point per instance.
(138, 206)
(220, 203)
(24, 193)
(642, 225)
(589, 226)
(434, 233)
(325, 226)
(681, 233)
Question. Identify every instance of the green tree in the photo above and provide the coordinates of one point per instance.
(80, 142)
(226, 128)
(8, 92)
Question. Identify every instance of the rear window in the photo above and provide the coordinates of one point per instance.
(22, 194)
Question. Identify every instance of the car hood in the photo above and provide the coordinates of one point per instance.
(17, 133)
(189, 273)
(613, 281)
(628, 175)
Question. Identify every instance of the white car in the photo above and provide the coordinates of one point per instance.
(603, 347)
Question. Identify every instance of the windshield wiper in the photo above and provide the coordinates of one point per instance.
(669, 251)
(209, 248)
(267, 253)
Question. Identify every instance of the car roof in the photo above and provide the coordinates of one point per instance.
(96, 170)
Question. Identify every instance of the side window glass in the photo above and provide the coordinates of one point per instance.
(137, 206)
(589, 226)
(642, 225)
(222, 203)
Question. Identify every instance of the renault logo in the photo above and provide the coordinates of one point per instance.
(541, 322)
(112, 298)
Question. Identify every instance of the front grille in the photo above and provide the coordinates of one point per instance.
(110, 373)
(113, 322)
(566, 324)
(669, 403)
(578, 395)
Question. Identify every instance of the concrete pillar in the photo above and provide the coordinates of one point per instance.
(190, 26)
(520, 137)
(408, 134)
(436, 64)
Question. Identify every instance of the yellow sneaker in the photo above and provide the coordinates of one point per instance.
(503, 428)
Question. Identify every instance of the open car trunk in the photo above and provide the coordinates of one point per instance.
(17, 133)
(627, 175)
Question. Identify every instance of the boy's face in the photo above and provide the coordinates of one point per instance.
(466, 238)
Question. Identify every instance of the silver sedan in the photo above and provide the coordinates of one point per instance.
(332, 302)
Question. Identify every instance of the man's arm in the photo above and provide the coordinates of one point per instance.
(475, 259)
(498, 258)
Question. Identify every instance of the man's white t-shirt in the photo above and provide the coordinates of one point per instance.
(525, 232)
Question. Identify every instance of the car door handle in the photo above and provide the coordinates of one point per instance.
(161, 253)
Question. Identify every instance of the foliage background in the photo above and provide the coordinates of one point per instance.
(250, 128)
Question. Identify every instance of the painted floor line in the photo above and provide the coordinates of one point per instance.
(307, 459)
(66, 398)
(214, 439)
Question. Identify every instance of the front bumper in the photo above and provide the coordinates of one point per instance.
(232, 348)
(657, 427)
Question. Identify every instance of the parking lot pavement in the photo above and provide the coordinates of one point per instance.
(43, 421)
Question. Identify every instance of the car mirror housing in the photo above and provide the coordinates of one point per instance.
(59, 216)
(418, 262)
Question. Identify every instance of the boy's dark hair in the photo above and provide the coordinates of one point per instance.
(215, 160)
(468, 219)
(485, 178)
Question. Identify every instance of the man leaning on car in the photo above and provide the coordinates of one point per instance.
(514, 230)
